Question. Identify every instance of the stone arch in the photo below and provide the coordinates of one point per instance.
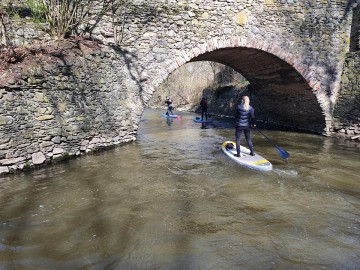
(217, 49)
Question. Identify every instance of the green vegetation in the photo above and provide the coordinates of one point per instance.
(38, 10)
(27, 166)
(65, 156)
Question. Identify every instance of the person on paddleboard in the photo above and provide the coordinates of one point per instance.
(203, 105)
(245, 119)
(168, 102)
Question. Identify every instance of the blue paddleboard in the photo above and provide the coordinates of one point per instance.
(170, 115)
(198, 120)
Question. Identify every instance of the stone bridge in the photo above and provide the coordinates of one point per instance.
(292, 53)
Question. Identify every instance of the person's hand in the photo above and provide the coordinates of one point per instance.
(253, 126)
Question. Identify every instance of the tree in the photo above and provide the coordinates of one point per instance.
(66, 17)
(3, 36)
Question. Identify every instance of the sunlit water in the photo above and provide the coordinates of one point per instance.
(173, 200)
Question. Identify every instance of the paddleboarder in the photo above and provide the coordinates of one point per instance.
(245, 119)
(203, 105)
(168, 102)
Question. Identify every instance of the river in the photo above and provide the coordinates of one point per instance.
(173, 200)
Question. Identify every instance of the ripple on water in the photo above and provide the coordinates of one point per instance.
(173, 200)
(291, 173)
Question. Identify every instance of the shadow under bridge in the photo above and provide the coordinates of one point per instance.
(280, 94)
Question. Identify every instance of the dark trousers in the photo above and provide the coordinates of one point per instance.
(238, 133)
(203, 111)
(169, 110)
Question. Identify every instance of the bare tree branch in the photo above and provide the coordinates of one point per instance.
(3, 33)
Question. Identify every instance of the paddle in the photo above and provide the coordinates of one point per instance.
(282, 153)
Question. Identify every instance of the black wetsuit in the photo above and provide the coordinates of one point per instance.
(168, 102)
(203, 104)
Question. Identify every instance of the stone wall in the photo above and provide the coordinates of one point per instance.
(66, 105)
(347, 109)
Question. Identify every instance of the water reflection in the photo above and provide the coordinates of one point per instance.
(172, 200)
(169, 121)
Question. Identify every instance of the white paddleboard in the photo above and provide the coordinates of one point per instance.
(256, 162)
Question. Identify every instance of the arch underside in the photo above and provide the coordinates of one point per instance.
(280, 95)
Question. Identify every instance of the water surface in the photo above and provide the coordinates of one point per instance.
(173, 200)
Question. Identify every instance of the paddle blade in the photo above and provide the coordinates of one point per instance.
(282, 153)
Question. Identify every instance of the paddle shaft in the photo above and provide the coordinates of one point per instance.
(266, 137)
(282, 153)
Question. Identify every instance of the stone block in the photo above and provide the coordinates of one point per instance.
(58, 151)
(4, 170)
(11, 161)
(45, 117)
(56, 139)
(38, 158)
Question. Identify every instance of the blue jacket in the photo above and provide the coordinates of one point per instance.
(244, 118)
